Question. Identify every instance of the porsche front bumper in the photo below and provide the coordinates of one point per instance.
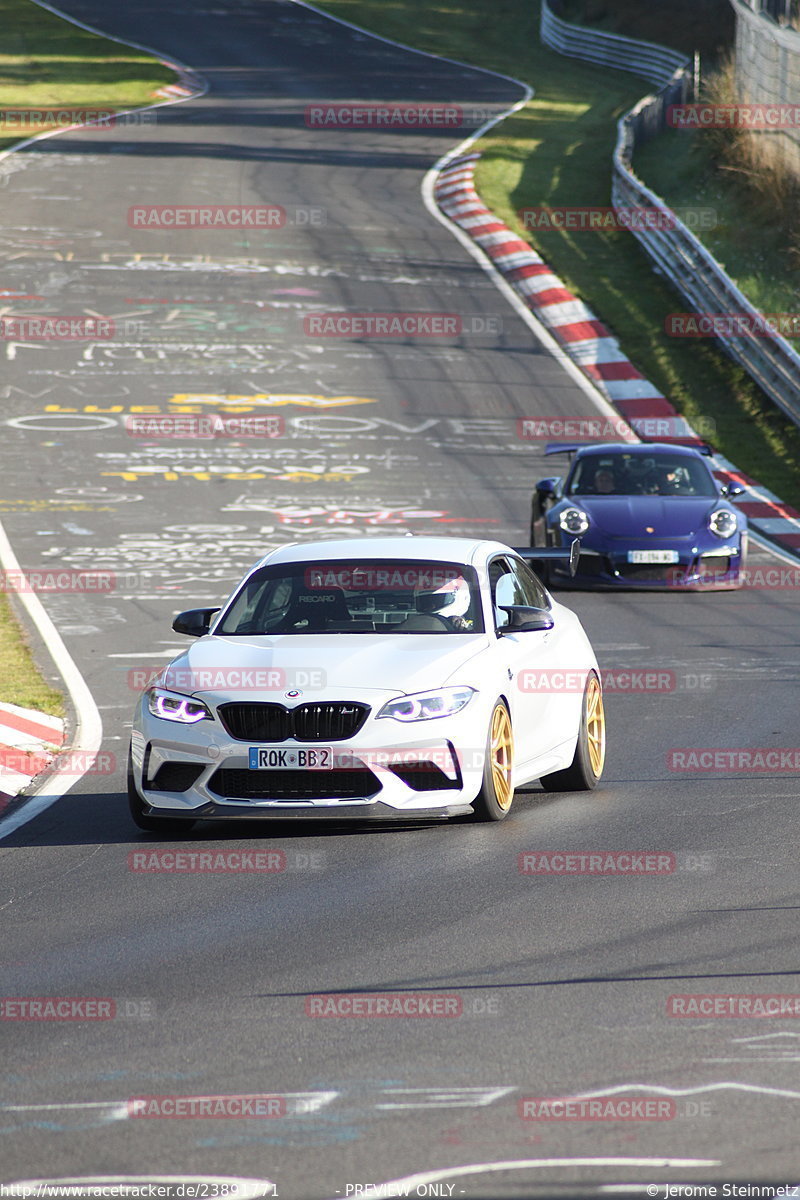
(694, 568)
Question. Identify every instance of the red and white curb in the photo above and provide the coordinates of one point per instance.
(87, 734)
(592, 346)
(189, 83)
(173, 89)
(29, 741)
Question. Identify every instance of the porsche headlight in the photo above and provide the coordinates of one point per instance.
(573, 520)
(723, 522)
(424, 706)
(172, 706)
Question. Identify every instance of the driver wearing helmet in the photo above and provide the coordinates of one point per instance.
(451, 601)
(641, 474)
(674, 478)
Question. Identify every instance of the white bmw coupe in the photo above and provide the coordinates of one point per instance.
(397, 677)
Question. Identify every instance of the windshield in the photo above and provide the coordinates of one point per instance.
(394, 596)
(657, 474)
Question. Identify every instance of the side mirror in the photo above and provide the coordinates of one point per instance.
(731, 490)
(548, 488)
(195, 621)
(522, 619)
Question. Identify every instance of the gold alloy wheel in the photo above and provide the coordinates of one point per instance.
(595, 726)
(502, 747)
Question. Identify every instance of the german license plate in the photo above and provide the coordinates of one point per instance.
(272, 758)
(653, 556)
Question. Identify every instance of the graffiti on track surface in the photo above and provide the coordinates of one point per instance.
(214, 554)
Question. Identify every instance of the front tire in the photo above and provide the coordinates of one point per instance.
(583, 773)
(151, 824)
(493, 801)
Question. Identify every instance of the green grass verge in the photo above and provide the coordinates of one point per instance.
(557, 151)
(749, 240)
(48, 63)
(497, 34)
(20, 681)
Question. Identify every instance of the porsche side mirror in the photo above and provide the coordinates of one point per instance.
(731, 490)
(194, 622)
(522, 619)
(548, 488)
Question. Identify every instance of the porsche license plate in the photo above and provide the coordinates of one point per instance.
(270, 758)
(653, 556)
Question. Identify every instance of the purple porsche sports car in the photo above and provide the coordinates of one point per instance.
(650, 515)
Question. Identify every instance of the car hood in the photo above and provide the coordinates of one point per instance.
(630, 516)
(320, 666)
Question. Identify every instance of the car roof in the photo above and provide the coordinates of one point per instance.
(435, 549)
(638, 448)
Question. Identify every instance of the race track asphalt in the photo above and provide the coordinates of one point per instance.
(563, 980)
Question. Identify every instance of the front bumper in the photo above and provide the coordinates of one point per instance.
(697, 569)
(387, 769)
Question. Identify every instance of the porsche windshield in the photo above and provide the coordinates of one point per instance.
(658, 474)
(368, 596)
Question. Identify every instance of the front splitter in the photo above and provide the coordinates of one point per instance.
(310, 812)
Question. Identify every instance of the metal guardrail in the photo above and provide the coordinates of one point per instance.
(771, 361)
(782, 12)
(655, 63)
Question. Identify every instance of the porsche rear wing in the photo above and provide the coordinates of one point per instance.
(536, 555)
(564, 447)
(571, 448)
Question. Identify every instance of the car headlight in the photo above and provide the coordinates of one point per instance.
(723, 522)
(424, 706)
(573, 520)
(174, 707)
